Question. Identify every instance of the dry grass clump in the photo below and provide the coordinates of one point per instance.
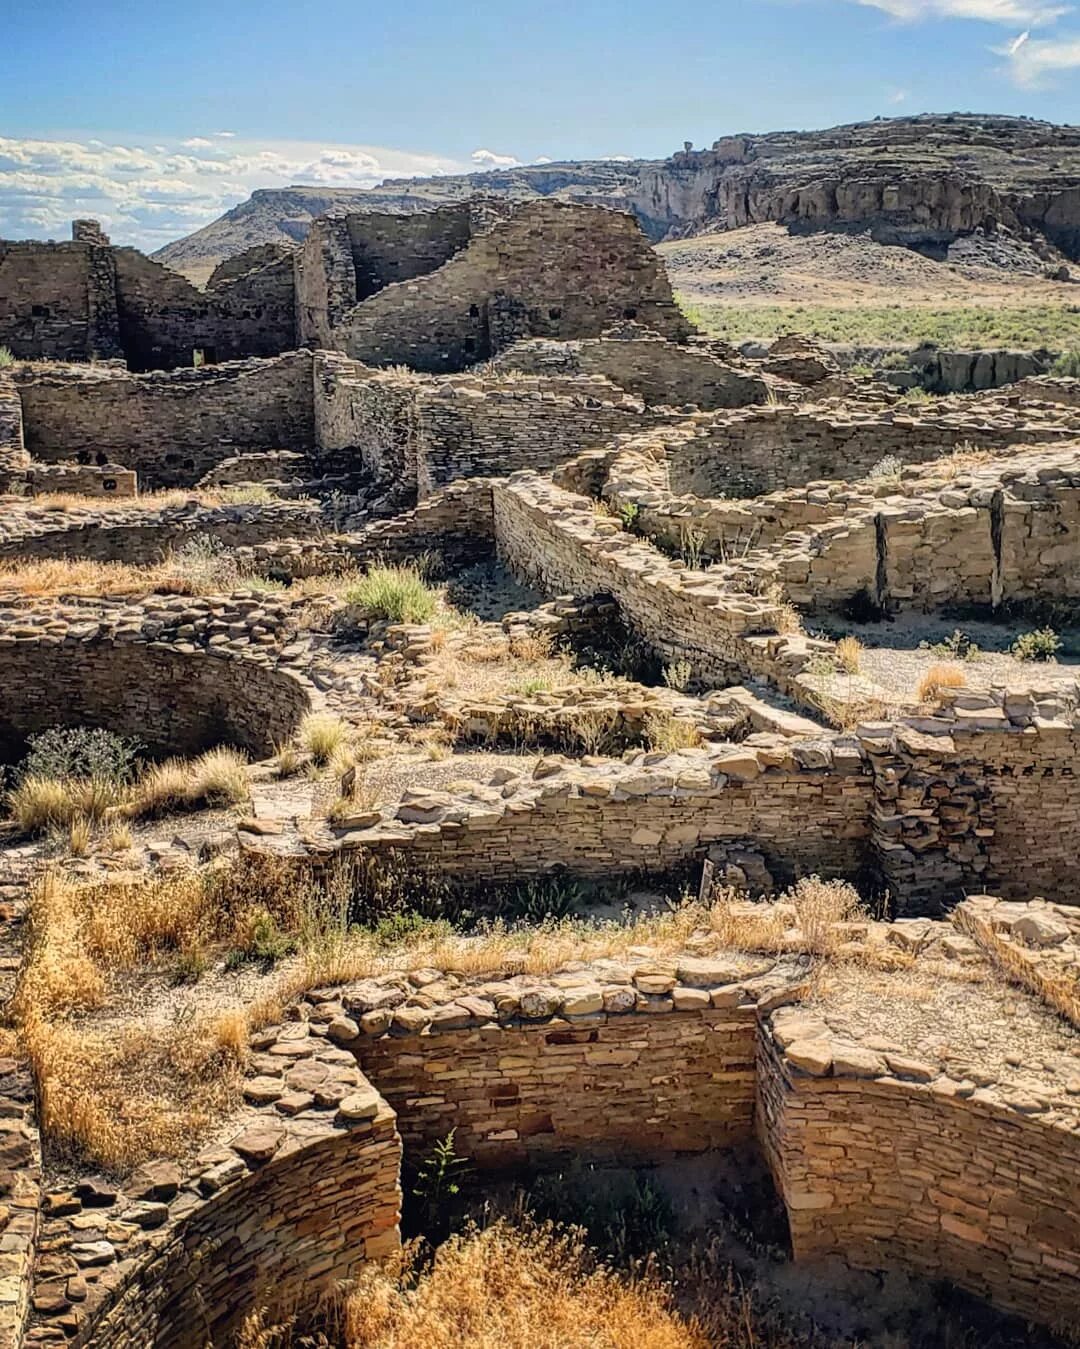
(807, 917)
(938, 678)
(121, 1098)
(216, 778)
(665, 731)
(322, 734)
(39, 803)
(848, 654)
(508, 1287)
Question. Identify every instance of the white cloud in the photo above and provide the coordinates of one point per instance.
(148, 194)
(543, 159)
(897, 96)
(1009, 12)
(225, 135)
(488, 159)
(1033, 61)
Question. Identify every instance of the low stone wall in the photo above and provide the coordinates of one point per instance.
(661, 373)
(478, 428)
(755, 450)
(605, 1087)
(882, 1165)
(170, 428)
(104, 481)
(141, 538)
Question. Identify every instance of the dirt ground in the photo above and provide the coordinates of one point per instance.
(772, 264)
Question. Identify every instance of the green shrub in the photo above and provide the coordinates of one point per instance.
(399, 594)
(957, 646)
(437, 1186)
(1068, 364)
(1040, 644)
(79, 752)
(207, 564)
(628, 514)
(895, 360)
(6, 357)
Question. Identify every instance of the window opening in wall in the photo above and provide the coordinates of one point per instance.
(469, 346)
(554, 313)
(39, 311)
(204, 356)
(474, 311)
(629, 313)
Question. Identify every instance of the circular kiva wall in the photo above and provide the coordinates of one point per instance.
(172, 701)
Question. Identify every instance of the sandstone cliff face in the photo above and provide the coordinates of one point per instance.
(920, 181)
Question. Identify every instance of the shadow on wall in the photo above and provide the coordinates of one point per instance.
(172, 702)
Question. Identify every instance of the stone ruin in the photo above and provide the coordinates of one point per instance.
(471, 383)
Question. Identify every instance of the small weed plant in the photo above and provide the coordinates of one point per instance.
(1042, 644)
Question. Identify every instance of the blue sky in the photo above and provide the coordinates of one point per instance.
(157, 118)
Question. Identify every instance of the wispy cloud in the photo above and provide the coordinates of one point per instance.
(898, 96)
(150, 193)
(1010, 13)
(1033, 62)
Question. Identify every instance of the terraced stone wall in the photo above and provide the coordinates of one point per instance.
(171, 700)
(171, 428)
(884, 1169)
(745, 454)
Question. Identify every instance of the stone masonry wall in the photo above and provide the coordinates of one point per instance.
(172, 701)
(881, 1168)
(552, 269)
(630, 1088)
(478, 428)
(14, 458)
(746, 453)
(366, 417)
(58, 301)
(164, 319)
(308, 1218)
(660, 372)
(170, 428)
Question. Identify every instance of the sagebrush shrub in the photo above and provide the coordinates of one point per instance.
(65, 753)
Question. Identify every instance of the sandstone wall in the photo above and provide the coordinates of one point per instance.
(745, 454)
(388, 248)
(304, 1221)
(170, 428)
(366, 417)
(632, 1088)
(58, 301)
(555, 540)
(14, 458)
(163, 319)
(889, 1172)
(171, 700)
(550, 270)
(661, 373)
(145, 537)
(479, 428)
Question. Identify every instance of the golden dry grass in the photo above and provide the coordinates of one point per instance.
(664, 731)
(322, 734)
(937, 678)
(506, 1287)
(848, 654)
